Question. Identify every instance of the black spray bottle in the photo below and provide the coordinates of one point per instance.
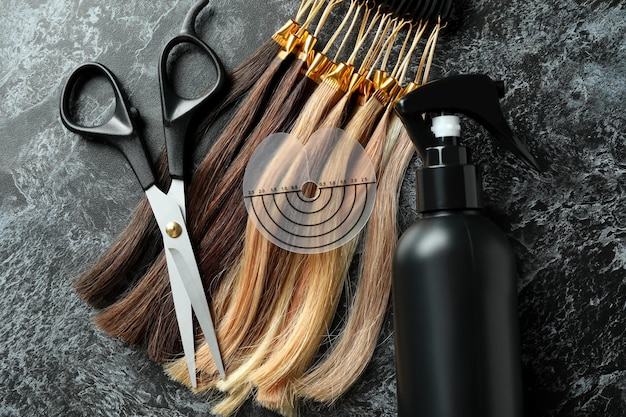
(454, 274)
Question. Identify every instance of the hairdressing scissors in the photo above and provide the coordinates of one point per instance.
(121, 131)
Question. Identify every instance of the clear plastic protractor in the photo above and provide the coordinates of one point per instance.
(310, 197)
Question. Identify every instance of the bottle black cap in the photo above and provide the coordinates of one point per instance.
(448, 181)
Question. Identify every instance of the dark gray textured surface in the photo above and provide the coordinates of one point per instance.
(61, 202)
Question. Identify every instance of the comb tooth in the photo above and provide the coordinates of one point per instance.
(386, 6)
(396, 8)
(417, 11)
(393, 7)
(429, 11)
(402, 7)
(440, 10)
(370, 3)
(435, 11)
(446, 10)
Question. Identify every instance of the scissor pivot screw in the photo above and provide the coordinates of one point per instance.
(173, 229)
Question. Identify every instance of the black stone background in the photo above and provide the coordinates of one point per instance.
(62, 201)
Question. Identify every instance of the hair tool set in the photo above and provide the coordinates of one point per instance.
(305, 174)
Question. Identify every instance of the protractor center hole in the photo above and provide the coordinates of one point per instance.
(310, 190)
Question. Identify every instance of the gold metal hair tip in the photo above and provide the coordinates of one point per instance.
(385, 86)
(307, 43)
(381, 96)
(318, 66)
(412, 86)
(340, 77)
(356, 79)
(390, 87)
(360, 87)
(289, 28)
(401, 92)
(378, 77)
(366, 88)
(292, 45)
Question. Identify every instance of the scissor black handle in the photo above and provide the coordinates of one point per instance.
(177, 110)
(120, 130)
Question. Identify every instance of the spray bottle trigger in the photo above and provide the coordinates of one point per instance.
(474, 95)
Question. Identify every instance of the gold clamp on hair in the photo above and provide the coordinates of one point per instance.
(291, 46)
(361, 87)
(340, 77)
(318, 66)
(307, 43)
(388, 87)
(281, 35)
(411, 86)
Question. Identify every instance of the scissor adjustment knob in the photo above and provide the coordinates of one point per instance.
(173, 230)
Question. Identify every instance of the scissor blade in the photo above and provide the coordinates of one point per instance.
(167, 211)
(177, 192)
(200, 306)
(182, 307)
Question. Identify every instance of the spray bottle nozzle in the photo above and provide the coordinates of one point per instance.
(476, 96)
